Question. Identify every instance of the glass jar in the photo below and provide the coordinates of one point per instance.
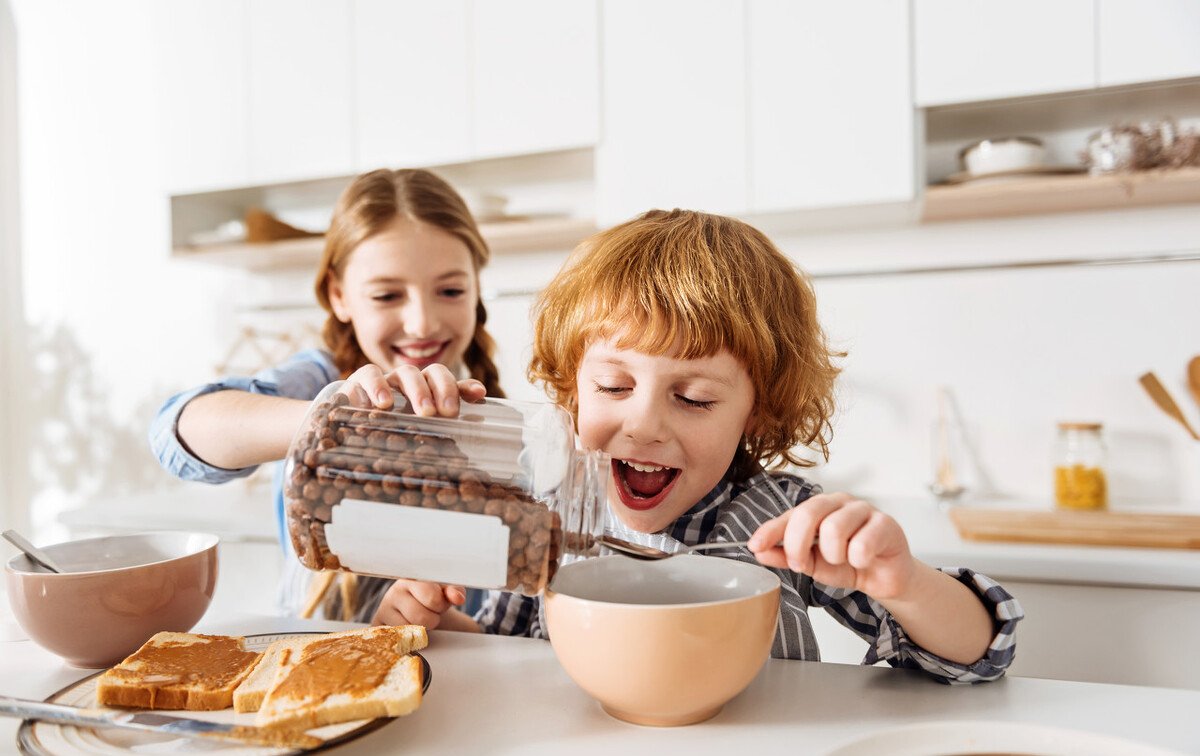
(1079, 479)
(493, 498)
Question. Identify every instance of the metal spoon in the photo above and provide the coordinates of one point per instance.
(649, 553)
(31, 551)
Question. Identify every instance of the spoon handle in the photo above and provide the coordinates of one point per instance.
(33, 552)
(1162, 398)
(717, 545)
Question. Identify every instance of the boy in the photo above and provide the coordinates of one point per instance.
(687, 347)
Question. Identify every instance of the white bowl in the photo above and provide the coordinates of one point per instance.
(1004, 154)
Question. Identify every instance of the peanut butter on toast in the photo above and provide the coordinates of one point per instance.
(179, 671)
(356, 674)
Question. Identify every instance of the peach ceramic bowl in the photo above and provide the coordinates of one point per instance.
(662, 643)
(114, 592)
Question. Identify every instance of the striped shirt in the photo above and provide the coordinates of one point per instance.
(732, 512)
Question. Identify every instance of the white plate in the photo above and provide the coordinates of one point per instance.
(992, 737)
(48, 739)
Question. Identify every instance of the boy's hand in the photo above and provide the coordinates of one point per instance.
(859, 547)
(432, 391)
(416, 602)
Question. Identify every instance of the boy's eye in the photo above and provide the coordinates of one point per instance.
(695, 402)
(609, 389)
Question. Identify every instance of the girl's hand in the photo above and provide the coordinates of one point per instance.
(432, 391)
(859, 547)
(415, 602)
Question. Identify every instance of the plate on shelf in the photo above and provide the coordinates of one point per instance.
(49, 739)
(965, 177)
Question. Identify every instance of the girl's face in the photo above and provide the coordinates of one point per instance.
(671, 426)
(410, 293)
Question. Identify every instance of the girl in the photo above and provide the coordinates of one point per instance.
(688, 348)
(399, 279)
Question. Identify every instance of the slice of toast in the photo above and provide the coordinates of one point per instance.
(355, 674)
(179, 671)
(250, 694)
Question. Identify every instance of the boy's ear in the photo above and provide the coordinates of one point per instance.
(337, 301)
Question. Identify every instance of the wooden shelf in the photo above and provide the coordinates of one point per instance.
(507, 236)
(1061, 194)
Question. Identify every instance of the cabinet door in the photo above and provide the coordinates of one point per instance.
(201, 74)
(674, 94)
(300, 103)
(410, 83)
(1148, 40)
(535, 80)
(831, 116)
(969, 51)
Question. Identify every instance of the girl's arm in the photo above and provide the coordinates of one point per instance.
(234, 429)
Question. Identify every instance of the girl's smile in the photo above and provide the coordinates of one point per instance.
(410, 292)
(421, 354)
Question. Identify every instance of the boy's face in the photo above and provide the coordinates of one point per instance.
(671, 427)
(410, 293)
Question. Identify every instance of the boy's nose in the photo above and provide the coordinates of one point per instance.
(644, 424)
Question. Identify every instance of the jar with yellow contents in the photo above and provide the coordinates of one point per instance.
(1079, 476)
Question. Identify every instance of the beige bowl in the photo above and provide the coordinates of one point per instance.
(662, 643)
(114, 593)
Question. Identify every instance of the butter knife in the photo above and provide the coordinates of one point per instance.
(162, 724)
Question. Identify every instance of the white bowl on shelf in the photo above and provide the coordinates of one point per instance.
(1002, 155)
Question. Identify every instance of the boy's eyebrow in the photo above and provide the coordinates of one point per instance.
(619, 363)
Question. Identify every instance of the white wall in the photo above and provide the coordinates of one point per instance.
(113, 325)
(14, 486)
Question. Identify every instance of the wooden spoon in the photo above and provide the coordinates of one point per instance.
(1162, 398)
(1194, 378)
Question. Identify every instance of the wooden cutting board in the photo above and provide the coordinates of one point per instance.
(1157, 531)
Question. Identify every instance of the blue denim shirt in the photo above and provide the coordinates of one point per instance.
(301, 376)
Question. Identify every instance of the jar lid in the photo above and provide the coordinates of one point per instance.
(1080, 426)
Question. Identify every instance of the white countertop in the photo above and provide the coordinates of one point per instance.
(934, 540)
(493, 694)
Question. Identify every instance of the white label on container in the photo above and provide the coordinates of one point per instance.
(422, 544)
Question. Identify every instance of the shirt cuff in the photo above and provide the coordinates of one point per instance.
(894, 645)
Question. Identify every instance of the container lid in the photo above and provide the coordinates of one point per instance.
(1080, 426)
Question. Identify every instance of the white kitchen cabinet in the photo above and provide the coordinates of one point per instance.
(535, 76)
(831, 116)
(201, 48)
(967, 51)
(411, 74)
(1147, 40)
(674, 94)
(301, 108)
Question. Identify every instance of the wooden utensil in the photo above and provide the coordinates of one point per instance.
(1162, 398)
(1157, 531)
(1194, 378)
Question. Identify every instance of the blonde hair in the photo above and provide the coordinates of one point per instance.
(372, 202)
(692, 284)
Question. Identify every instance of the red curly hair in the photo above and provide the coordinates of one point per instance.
(691, 284)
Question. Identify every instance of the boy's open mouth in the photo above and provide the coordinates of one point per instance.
(642, 485)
